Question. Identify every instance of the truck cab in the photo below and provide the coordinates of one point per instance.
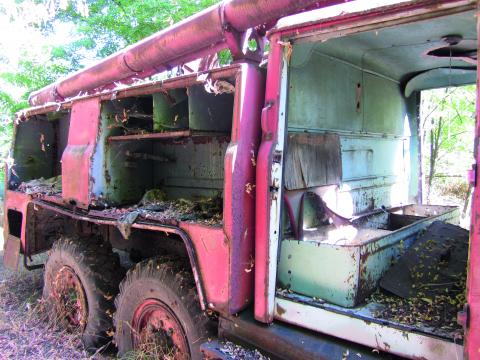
(275, 202)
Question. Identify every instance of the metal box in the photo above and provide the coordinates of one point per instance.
(343, 266)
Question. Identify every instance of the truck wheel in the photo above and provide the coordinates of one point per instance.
(158, 313)
(80, 281)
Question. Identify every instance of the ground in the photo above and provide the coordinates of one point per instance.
(25, 332)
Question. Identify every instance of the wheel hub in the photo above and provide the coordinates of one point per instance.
(158, 333)
(70, 299)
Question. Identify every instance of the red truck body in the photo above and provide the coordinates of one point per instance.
(234, 263)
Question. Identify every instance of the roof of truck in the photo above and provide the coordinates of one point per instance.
(421, 44)
(356, 7)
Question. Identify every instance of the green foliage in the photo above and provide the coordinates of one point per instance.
(448, 123)
(114, 24)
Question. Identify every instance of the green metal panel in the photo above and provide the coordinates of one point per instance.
(116, 178)
(35, 149)
(322, 95)
(384, 108)
(209, 112)
(196, 170)
(170, 110)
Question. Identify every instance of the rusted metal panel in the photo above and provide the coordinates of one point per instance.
(19, 202)
(212, 252)
(11, 252)
(77, 157)
(239, 185)
(265, 245)
(197, 168)
(390, 339)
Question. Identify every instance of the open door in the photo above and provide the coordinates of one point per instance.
(471, 315)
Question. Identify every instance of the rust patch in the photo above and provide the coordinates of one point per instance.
(280, 310)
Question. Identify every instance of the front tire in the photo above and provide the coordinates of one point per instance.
(81, 279)
(158, 313)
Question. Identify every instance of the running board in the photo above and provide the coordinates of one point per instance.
(409, 344)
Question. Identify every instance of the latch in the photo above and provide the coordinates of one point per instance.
(472, 175)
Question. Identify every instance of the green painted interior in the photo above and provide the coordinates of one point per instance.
(354, 87)
(326, 94)
(397, 52)
(123, 171)
(117, 179)
(32, 160)
(208, 111)
(431, 79)
(170, 110)
(373, 121)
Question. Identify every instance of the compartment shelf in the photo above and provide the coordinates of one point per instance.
(169, 135)
(159, 135)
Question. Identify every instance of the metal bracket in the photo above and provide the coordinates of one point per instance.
(31, 267)
(238, 42)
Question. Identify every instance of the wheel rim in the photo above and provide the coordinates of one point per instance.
(70, 300)
(158, 333)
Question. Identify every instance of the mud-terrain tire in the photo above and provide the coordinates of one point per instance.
(158, 301)
(87, 268)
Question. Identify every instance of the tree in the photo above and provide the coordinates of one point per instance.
(447, 127)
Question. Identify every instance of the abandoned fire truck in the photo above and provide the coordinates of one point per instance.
(275, 202)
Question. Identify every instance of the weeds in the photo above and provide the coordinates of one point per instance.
(26, 330)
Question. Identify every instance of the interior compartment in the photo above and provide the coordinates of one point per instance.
(166, 149)
(353, 142)
(37, 151)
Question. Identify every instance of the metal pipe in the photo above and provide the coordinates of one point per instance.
(202, 33)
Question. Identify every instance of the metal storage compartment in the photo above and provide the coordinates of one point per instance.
(344, 265)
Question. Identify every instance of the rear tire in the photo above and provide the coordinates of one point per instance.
(158, 312)
(81, 279)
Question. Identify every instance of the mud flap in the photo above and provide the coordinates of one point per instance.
(11, 252)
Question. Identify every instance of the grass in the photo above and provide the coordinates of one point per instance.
(25, 329)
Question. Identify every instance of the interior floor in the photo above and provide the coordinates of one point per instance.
(369, 312)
